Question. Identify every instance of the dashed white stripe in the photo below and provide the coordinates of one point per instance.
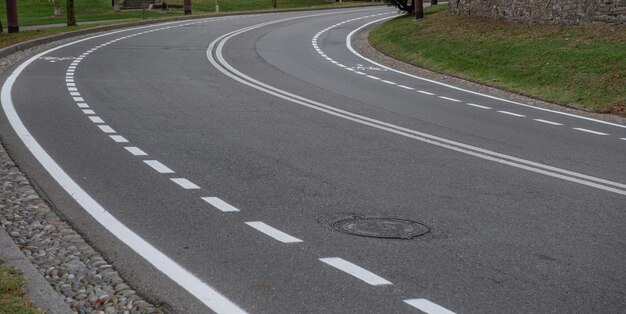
(82, 105)
(118, 138)
(158, 166)
(388, 82)
(373, 77)
(96, 119)
(406, 87)
(272, 232)
(623, 138)
(590, 131)
(547, 121)
(73, 89)
(106, 129)
(427, 306)
(135, 151)
(69, 84)
(219, 204)
(88, 111)
(511, 113)
(185, 184)
(356, 271)
(78, 98)
(75, 93)
(448, 98)
(426, 93)
(477, 106)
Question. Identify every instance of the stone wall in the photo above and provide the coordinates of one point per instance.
(545, 11)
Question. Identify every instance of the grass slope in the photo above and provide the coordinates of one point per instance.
(39, 12)
(580, 66)
(12, 297)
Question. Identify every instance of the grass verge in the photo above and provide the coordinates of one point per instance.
(41, 12)
(12, 297)
(580, 66)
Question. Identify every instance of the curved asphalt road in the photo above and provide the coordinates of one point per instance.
(285, 124)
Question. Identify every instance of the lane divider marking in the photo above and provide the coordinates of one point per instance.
(511, 113)
(158, 166)
(118, 139)
(427, 306)
(185, 184)
(220, 204)
(272, 232)
(477, 106)
(548, 122)
(450, 99)
(356, 271)
(567, 175)
(356, 53)
(96, 119)
(135, 151)
(590, 131)
(106, 129)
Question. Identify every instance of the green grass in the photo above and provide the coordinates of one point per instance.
(12, 297)
(31, 12)
(580, 66)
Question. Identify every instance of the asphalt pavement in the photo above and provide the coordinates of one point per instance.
(215, 159)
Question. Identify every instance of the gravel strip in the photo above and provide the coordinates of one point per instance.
(81, 275)
(361, 44)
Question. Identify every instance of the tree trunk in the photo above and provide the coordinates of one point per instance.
(12, 16)
(187, 7)
(419, 9)
(71, 19)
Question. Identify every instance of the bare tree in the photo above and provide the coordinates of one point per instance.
(57, 7)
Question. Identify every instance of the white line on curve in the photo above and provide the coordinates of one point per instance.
(219, 204)
(356, 271)
(135, 151)
(200, 290)
(590, 131)
(158, 166)
(272, 232)
(349, 46)
(185, 184)
(571, 176)
(426, 93)
(427, 306)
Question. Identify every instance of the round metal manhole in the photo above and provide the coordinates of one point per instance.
(388, 228)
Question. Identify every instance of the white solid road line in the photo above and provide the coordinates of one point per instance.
(185, 184)
(571, 176)
(548, 122)
(348, 43)
(158, 166)
(356, 271)
(272, 232)
(428, 307)
(185, 279)
(219, 204)
(135, 151)
(590, 131)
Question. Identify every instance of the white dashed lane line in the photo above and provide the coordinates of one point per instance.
(548, 122)
(477, 106)
(88, 111)
(356, 271)
(135, 151)
(118, 139)
(512, 113)
(106, 129)
(96, 119)
(185, 184)
(427, 306)
(315, 44)
(272, 232)
(219, 204)
(158, 166)
(590, 131)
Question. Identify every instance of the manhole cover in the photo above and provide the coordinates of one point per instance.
(389, 228)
